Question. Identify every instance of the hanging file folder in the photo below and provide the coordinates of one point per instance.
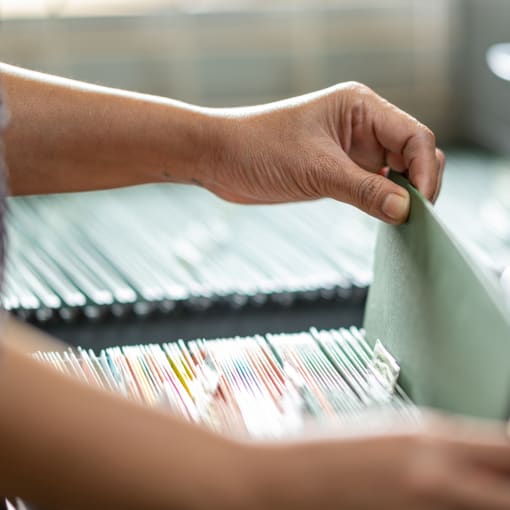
(441, 316)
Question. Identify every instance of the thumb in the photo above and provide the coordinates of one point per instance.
(370, 192)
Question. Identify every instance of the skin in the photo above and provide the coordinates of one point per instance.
(66, 445)
(332, 143)
(90, 449)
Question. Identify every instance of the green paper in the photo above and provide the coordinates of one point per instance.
(441, 316)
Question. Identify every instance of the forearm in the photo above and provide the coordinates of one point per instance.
(67, 445)
(331, 474)
(71, 136)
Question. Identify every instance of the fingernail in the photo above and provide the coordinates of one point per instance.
(395, 206)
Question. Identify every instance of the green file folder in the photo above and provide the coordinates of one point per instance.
(441, 316)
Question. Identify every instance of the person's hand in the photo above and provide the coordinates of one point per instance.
(335, 143)
(449, 464)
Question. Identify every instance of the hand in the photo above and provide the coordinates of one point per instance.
(334, 143)
(449, 464)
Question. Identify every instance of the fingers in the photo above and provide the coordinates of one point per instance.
(482, 455)
(410, 146)
(487, 447)
(372, 193)
(482, 442)
(441, 160)
(396, 162)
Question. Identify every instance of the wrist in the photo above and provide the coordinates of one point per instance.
(194, 142)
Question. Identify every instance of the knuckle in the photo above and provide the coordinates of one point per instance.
(357, 113)
(439, 156)
(428, 135)
(367, 192)
(358, 87)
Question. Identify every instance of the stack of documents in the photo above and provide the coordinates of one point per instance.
(137, 250)
(168, 247)
(261, 387)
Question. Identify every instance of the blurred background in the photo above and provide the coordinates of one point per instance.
(429, 57)
(443, 61)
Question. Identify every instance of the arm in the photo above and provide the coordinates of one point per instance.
(69, 136)
(66, 135)
(443, 464)
(65, 445)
